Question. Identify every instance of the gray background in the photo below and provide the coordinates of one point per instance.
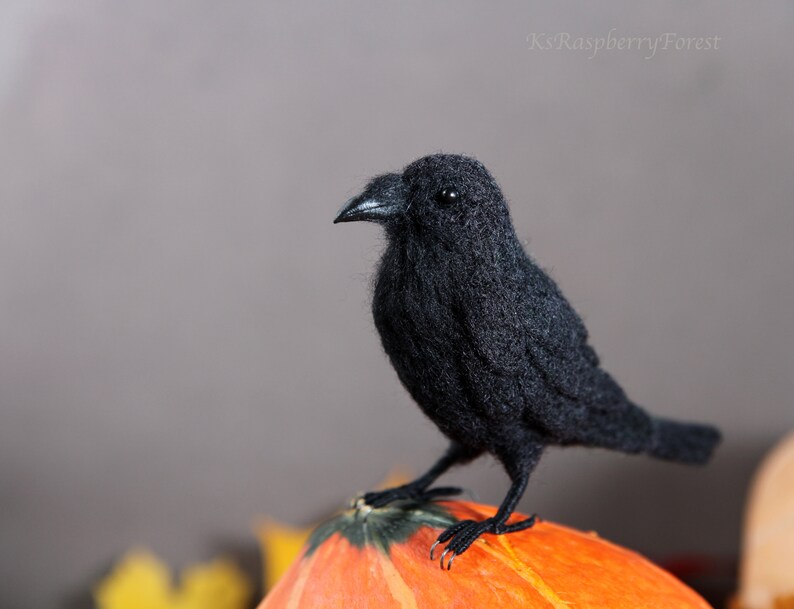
(185, 341)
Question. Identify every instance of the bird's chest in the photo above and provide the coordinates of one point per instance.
(415, 317)
(414, 311)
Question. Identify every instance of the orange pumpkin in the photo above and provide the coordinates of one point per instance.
(381, 560)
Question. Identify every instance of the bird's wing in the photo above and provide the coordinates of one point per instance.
(558, 339)
(524, 320)
(494, 325)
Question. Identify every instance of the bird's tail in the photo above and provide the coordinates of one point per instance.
(683, 442)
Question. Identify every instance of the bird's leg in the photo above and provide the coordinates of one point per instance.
(418, 489)
(462, 534)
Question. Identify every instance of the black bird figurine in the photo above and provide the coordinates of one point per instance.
(486, 343)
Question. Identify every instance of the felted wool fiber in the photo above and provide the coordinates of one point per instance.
(484, 340)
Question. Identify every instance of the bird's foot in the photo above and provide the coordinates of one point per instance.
(377, 499)
(461, 535)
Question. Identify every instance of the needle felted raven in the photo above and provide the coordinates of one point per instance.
(486, 343)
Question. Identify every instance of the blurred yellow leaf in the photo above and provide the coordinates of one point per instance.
(216, 585)
(282, 543)
(142, 581)
(139, 581)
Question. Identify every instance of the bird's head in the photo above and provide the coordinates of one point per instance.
(440, 195)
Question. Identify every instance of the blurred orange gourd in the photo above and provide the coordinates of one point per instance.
(380, 559)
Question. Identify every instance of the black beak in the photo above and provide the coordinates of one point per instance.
(382, 199)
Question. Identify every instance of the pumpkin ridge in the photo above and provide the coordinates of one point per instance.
(398, 587)
(524, 571)
(293, 602)
(628, 554)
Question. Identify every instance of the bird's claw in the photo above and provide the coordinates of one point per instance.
(433, 549)
(452, 556)
(461, 535)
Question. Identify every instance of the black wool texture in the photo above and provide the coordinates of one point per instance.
(482, 337)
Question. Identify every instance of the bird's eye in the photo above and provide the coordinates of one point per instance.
(448, 196)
